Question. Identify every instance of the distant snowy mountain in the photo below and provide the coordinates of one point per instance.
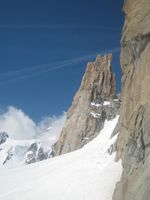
(89, 173)
(17, 148)
(19, 152)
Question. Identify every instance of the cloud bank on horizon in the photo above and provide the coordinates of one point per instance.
(20, 126)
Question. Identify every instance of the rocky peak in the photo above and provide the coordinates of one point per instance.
(98, 78)
(90, 107)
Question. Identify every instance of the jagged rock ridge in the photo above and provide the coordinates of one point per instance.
(94, 102)
(133, 145)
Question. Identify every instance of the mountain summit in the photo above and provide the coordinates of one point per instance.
(94, 102)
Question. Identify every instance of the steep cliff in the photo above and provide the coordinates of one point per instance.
(94, 102)
(133, 145)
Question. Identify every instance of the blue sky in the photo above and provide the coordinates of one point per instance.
(45, 46)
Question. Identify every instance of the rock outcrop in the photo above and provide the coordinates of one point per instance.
(35, 153)
(3, 137)
(94, 102)
(133, 145)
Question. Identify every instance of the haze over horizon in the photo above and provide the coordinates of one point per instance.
(45, 47)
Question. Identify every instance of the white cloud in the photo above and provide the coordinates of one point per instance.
(17, 124)
(50, 128)
(20, 126)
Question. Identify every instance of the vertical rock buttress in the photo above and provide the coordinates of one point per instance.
(133, 145)
(86, 116)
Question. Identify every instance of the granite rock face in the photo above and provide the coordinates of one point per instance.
(133, 145)
(94, 102)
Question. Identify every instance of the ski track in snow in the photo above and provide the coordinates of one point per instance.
(86, 174)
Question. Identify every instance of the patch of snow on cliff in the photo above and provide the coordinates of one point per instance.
(89, 173)
(95, 115)
(96, 104)
(106, 103)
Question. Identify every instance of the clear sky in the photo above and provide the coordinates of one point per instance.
(44, 48)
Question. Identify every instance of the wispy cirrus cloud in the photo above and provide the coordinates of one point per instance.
(16, 75)
(35, 26)
(57, 26)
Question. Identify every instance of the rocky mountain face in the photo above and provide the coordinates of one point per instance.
(133, 145)
(94, 102)
(3, 137)
(18, 152)
(35, 153)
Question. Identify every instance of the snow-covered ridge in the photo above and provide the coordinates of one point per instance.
(89, 173)
(19, 152)
(20, 147)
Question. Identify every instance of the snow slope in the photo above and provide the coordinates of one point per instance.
(86, 174)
